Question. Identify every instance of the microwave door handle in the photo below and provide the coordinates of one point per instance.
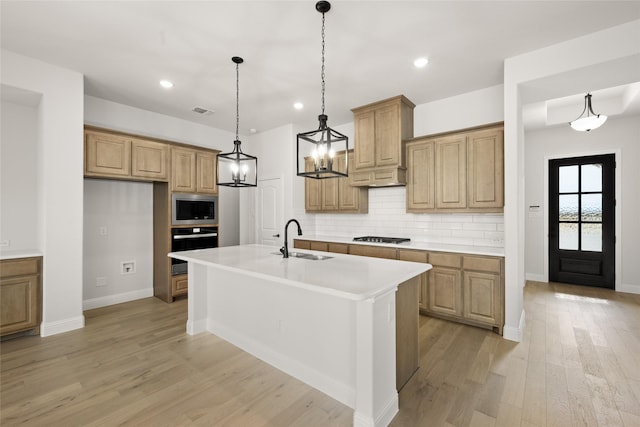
(194, 236)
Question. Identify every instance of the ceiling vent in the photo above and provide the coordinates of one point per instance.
(202, 110)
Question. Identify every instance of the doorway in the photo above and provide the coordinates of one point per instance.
(582, 220)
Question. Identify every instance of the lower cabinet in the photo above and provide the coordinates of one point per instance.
(179, 285)
(20, 295)
(463, 288)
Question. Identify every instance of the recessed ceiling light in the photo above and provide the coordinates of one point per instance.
(421, 62)
(298, 105)
(166, 84)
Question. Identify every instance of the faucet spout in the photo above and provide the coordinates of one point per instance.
(285, 248)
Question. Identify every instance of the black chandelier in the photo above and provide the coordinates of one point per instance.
(316, 150)
(237, 169)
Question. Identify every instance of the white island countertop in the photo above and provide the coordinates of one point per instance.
(347, 276)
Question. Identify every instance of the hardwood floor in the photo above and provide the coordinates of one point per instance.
(133, 364)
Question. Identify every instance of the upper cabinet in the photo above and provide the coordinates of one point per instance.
(334, 195)
(112, 155)
(380, 129)
(193, 171)
(457, 172)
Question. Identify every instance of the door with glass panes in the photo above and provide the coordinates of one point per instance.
(582, 220)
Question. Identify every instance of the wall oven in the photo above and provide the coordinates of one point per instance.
(193, 209)
(187, 239)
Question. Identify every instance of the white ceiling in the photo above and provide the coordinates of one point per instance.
(124, 48)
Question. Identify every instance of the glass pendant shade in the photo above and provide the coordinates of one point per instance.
(591, 120)
(237, 169)
(316, 152)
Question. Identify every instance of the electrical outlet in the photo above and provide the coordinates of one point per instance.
(101, 281)
(127, 267)
(5, 243)
(103, 230)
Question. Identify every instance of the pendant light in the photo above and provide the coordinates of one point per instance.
(591, 120)
(316, 150)
(237, 169)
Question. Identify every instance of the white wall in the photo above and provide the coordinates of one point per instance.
(126, 207)
(60, 191)
(118, 227)
(19, 177)
(617, 135)
(577, 56)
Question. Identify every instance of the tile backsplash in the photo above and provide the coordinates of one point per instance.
(388, 217)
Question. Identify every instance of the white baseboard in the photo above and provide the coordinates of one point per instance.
(630, 289)
(512, 333)
(535, 277)
(89, 304)
(53, 328)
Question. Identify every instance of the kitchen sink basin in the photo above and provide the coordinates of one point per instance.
(305, 256)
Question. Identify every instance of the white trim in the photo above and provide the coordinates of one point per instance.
(90, 304)
(617, 152)
(384, 419)
(536, 277)
(628, 288)
(514, 334)
(53, 328)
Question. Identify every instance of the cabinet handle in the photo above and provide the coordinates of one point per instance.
(276, 235)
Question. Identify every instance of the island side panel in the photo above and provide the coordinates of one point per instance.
(197, 300)
(309, 335)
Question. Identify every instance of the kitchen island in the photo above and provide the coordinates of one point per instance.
(330, 323)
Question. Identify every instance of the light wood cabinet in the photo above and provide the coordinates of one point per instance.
(445, 285)
(179, 285)
(417, 256)
(119, 156)
(20, 295)
(193, 171)
(460, 172)
(334, 195)
(380, 129)
(373, 251)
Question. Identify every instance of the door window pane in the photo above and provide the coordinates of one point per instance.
(568, 236)
(568, 179)
(592, 237)
(591, 178)
(591, 207)
(568, 207)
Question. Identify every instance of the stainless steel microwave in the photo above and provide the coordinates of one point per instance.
(189, 209)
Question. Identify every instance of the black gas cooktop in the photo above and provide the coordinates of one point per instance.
(378, 239)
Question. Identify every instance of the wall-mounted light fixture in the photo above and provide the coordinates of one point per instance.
(237, 169)
(316, 149)
(591, 120)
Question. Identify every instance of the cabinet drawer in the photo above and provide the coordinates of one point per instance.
(339, 248)
(409, 255)
(481, 264)
(19, 267)
(179, 285)
(445, 260)
(301, 244)
(373, 251)
(319, 246)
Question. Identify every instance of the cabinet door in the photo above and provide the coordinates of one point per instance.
(417, 256)
(179, 285)
(451, 172)
(206, 164)
(183, 170)
(312, 190)
(107, 154)
(482, 297)
(19, 306)
(387, 135)
(485, 169)
(365, 139)
(330, 200)
(420, 182)
(445, 291)
(349, 196)
(149, 159)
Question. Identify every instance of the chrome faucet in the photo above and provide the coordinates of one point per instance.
(285, 248)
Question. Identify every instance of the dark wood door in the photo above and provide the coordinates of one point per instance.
(582, 220)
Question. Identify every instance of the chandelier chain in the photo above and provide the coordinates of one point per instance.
(237, 100)
(322, 72)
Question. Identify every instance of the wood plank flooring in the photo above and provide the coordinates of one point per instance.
(133, 364)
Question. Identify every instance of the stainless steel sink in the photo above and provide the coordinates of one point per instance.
(313, 257)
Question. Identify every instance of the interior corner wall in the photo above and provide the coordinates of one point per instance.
(60, 189)
(587, 51)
